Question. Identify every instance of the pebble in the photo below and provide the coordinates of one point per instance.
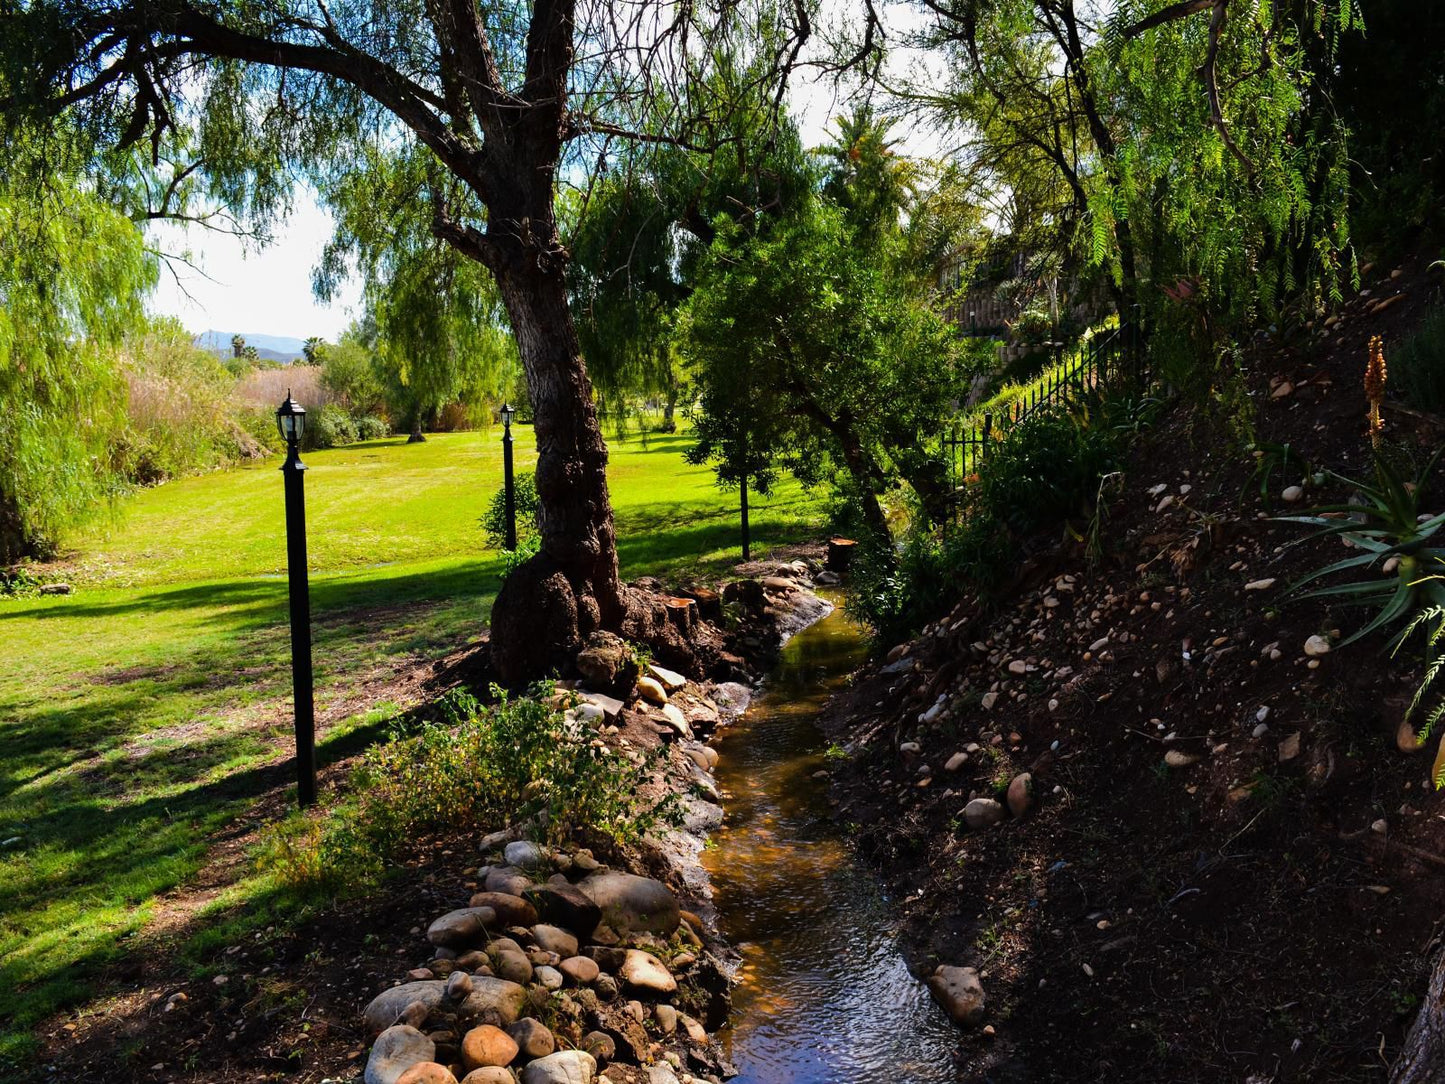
(1260, 585)
(1292, 494)
(651, 690)
(955, 762)
(1316, 646)
(563, 1067)
(580, 970)
(532, 1038)
(487, 1045)
(1020, 795)
(1177, 758)
(960, 992)
(982, 812)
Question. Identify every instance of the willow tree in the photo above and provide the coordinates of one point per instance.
(1165, 140)
(496, 94)
(74, 275)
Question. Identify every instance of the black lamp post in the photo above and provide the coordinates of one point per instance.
(508, 412)
(291, 420)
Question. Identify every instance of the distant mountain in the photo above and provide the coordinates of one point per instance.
(282, 348)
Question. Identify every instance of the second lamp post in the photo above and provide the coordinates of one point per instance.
(508, 412)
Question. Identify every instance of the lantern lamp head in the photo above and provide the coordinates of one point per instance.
(508, 412)
(291, 420)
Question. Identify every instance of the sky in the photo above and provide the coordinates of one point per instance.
(234, 287)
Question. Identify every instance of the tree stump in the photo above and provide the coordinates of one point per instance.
(682, 612)
(709, 602)
(840, 554)
(1422, 1061)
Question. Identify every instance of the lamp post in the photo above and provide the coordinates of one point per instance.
(508, 412)
(291, 421)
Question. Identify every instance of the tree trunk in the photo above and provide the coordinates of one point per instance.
(1422, 1061)
(571, 588)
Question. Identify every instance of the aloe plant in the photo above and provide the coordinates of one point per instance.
(1385, 524)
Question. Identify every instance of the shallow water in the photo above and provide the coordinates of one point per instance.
(825, 997)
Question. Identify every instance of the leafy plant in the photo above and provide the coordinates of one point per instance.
(526, 762)
(1385, 524)
(1274, 461)
(1430, 622)
(494, 522)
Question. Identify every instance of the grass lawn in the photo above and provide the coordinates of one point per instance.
(141, 716)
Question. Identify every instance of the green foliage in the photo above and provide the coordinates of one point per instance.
(73, 277)
(527, 505)
(349, 373)
(807, 352)
(1417, 368)
(1384, 523)
(1275, 462)
(1430, 623)
(330, 427)
(1048, 468)
(180, 416)
(896, 593)
(521, 762)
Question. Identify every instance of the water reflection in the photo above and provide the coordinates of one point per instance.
(824, 995)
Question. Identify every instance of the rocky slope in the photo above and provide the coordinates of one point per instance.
(1147, 815)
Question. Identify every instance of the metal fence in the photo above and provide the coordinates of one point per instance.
(1112, 360)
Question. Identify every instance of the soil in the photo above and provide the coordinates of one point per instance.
(1268, 912)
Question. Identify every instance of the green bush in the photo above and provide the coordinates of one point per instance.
(1417, 369)
(329, 427)
(370, 427)
(523, 762)
(897, 592)
(1048, 468)
(495, 520)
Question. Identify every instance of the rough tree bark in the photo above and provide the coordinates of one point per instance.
(1422, 1061)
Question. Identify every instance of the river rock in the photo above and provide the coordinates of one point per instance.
(395, 1051)
(600, 1045)
(632, 904)
(651, 690)
(1316, 646)
(671, 679)
(580, 970)
(462, 929)
(487, 1045)
(512, 965)
(524, 854)
(644, 972)
(532, 1038)
(563, 1067)
(955, 762)
(554, 939)
(677, 720)
(489, 1074)
(549, 977)
(666, 1017)
(512, 910)
(982, 812)
(427, 1072)
(566, 905)
(508, 880)
(386, 1008)
(1020, 795)
(959, 991)
(458, 986)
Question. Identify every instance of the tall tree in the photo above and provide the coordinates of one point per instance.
(74, 275)
(493, 95)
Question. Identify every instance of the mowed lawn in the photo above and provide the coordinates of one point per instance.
(140, 716)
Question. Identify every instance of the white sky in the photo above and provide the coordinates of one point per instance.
(236, 288)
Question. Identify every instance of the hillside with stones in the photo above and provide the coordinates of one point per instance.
(1145, 817)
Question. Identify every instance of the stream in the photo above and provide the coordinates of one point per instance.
(824, 995)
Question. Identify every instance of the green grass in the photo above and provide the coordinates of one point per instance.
(142, 715)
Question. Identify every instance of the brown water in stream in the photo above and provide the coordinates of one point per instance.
(825, 997)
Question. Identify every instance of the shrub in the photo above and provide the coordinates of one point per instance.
(370, 427)
(179, 415)
(329, 427)
(522, 762)
(1048, 468)
(495, 520)
(896, 593)
(1417, 368)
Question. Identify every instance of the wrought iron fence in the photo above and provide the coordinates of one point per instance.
(1112, 360)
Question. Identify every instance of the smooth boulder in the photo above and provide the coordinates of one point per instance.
(462, 929)
(563, 1067)
(645, 973)
(566, 905)
(487, 1045)
(395, 1051)
(512, 910)
(633, 904)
